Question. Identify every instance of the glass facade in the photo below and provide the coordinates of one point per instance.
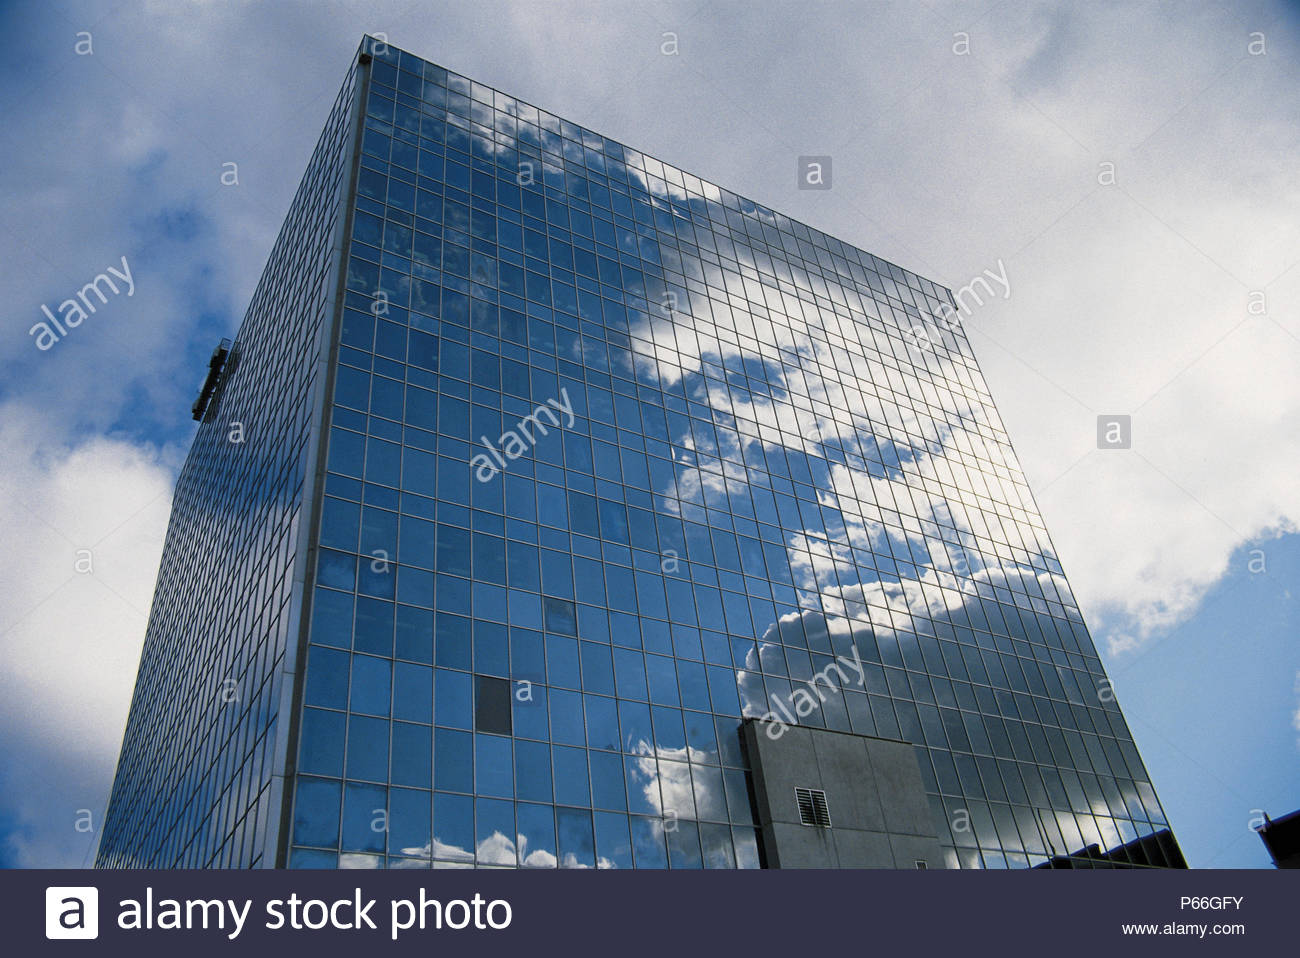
(193, 786)
(612, 457)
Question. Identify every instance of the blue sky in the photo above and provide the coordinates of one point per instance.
(1203, 702)
(1130, 166)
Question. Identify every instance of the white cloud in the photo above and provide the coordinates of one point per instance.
(83, 524)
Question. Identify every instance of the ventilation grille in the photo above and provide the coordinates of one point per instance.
(812, 807)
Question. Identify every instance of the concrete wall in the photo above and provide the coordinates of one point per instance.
(880, 816)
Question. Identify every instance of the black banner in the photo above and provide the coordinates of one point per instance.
(667, 914)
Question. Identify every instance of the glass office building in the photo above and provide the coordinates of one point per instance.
(563, 479)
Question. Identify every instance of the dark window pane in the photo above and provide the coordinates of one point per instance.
(492, 705)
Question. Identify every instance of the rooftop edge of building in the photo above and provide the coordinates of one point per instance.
(745, 205)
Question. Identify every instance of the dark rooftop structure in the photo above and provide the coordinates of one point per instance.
(1281, 836)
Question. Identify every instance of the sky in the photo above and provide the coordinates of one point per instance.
(1129, 168)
